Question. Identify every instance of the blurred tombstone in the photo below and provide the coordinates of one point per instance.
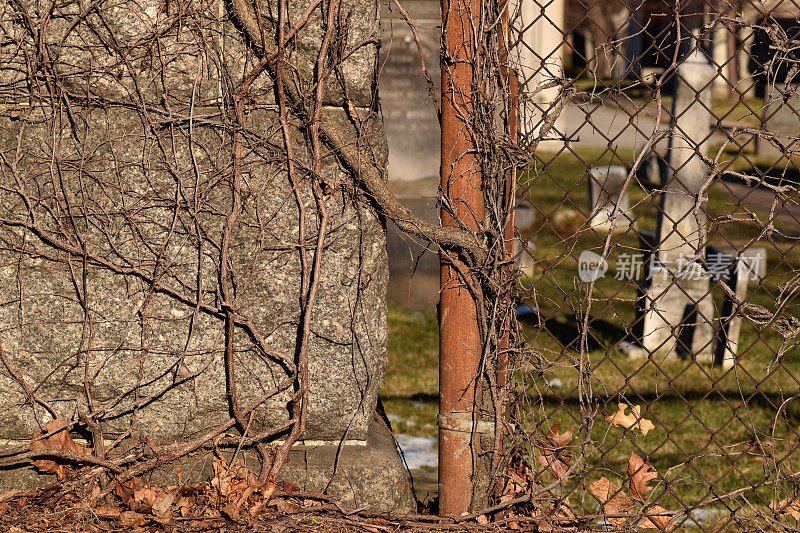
(608, 198)
(781, 120)
(539, 62)
(413, 137)
(524, 216)
(677, 305)
(409, 112)
(738, 269)
(524, 257)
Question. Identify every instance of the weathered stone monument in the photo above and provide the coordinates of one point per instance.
(608, 199)
(677, 304)
(151, 244)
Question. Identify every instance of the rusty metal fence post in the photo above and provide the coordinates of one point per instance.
(459, 334)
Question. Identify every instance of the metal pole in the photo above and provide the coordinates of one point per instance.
(459, 335)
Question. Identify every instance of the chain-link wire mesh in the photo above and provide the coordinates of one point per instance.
(657, 225)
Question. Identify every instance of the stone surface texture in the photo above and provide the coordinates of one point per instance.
(113, 198)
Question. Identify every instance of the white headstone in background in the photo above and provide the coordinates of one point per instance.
(608, 198)
(539, 59)
(782, 119)
(678, 304)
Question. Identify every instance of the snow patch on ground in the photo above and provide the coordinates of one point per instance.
(418, 451)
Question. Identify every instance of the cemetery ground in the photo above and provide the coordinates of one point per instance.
(715, 431)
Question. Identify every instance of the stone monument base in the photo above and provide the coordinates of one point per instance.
(367, 474)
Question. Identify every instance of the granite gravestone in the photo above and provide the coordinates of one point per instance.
(677, 304)
(113, 296)
(608, 198)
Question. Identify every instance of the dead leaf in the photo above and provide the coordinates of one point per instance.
(162, 507)
(561, 440)
(787, 506)
(482, 519)
(231, 512)
(641, 474)
(617, 506)
(554, 464)
(554, 454)
(656, 517)
(132, 519)
(60, 441)
(10, 495)
(145, 495)
(95, 492)
(633, 420)
(517, 481)
(258, 508)
(107, 512)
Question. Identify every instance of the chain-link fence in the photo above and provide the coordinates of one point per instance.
(658, 226)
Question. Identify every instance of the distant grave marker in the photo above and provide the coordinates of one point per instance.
(607, 198)
(739, 269)
(782, 118)
(413, 137)
(409, 113)
(678, 309)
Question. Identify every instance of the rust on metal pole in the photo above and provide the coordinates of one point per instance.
(459, 334)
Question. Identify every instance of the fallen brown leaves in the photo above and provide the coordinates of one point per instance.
(59, 442)
(237, 487)
(620, 508)
(234, 493)
(617, 506)
(787, 506)
(8, 496)
(554, 452)
(633, 420)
